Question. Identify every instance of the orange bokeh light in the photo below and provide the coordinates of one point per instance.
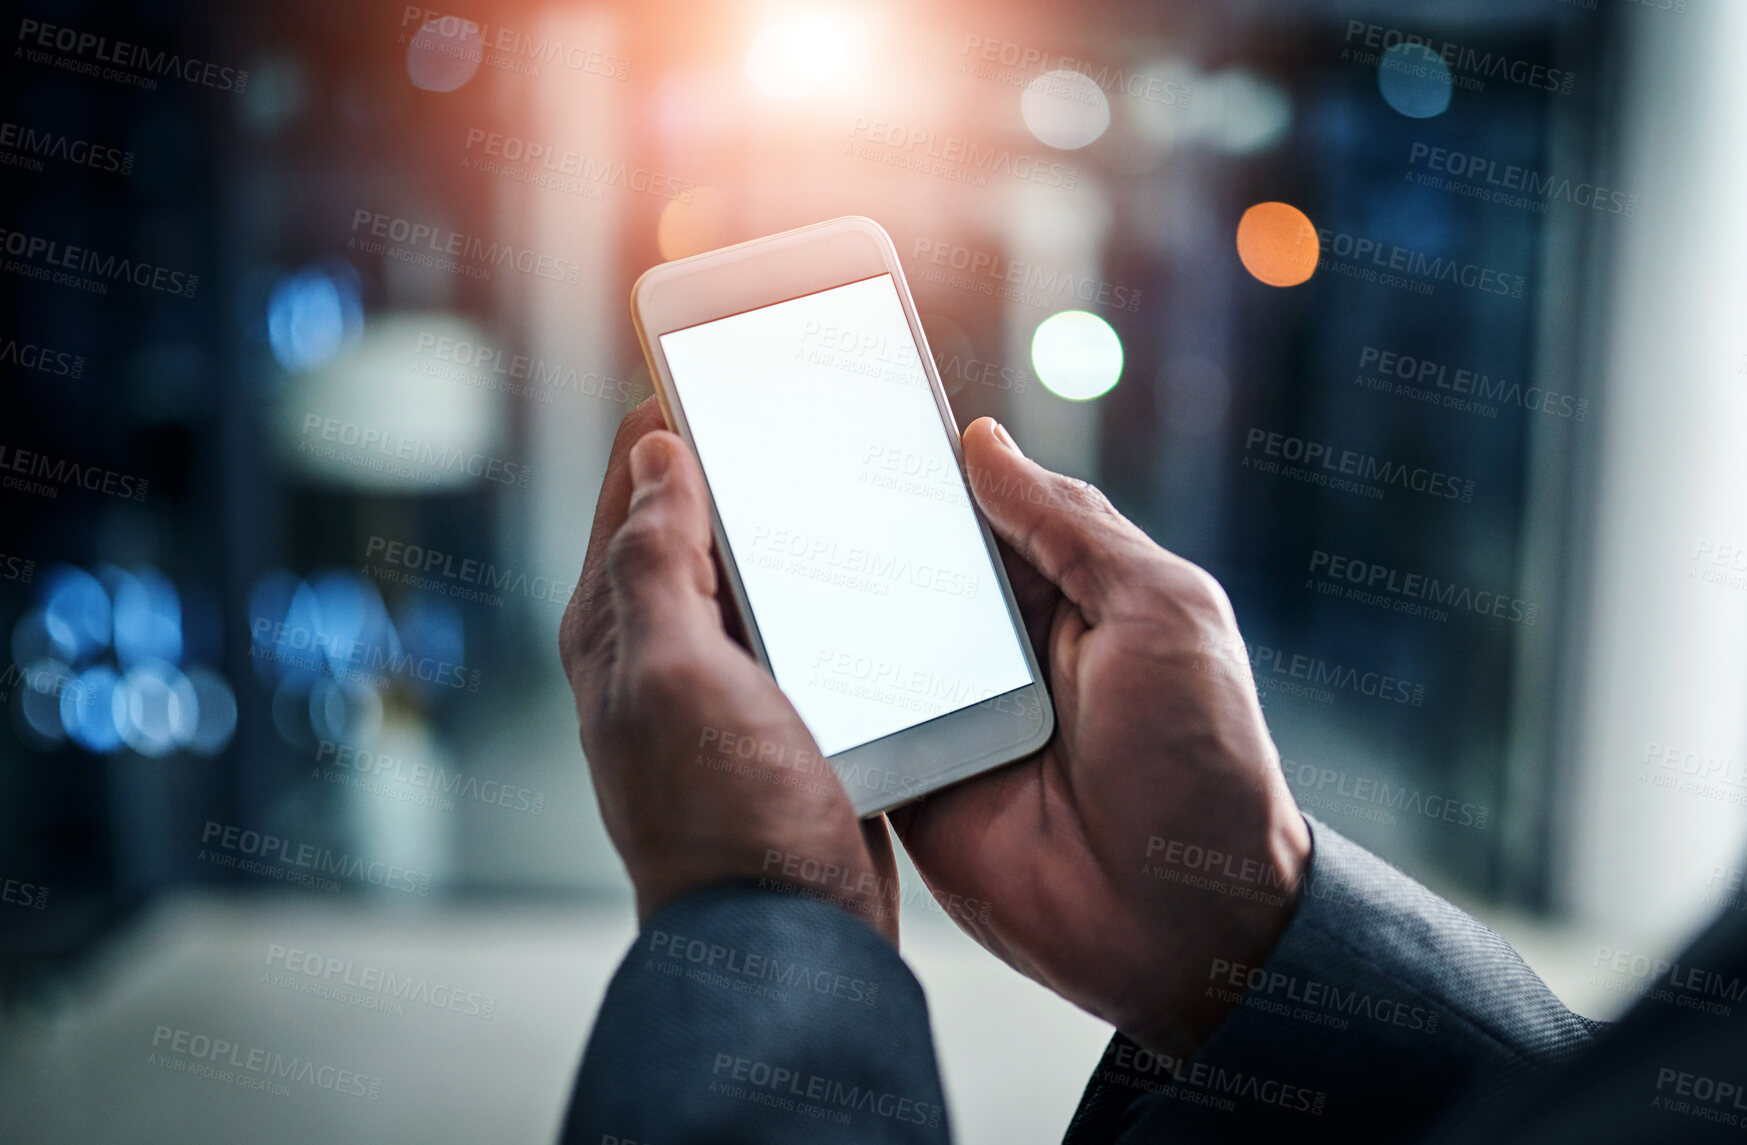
(1277, 243)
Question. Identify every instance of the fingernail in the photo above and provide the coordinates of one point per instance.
(650, 459)
(1007, 439)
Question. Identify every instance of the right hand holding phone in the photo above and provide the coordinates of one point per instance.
(1095, 854)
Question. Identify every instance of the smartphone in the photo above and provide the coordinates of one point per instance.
(866, 579)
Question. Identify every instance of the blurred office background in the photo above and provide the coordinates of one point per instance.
(295, 494)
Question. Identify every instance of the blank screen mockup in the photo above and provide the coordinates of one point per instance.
(846, 512)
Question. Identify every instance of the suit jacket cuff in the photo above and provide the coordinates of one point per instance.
(744, 1014)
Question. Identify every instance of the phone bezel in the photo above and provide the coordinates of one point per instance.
(750, 275)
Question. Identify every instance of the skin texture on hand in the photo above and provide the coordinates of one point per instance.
(703, 770)
(1155, 833)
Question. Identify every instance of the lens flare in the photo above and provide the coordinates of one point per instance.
(1277, 244)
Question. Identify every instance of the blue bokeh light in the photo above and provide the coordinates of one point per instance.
(1414, 80)
(312, 314)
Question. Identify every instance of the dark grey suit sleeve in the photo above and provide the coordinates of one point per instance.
(745, 1014)
(1382, 1011)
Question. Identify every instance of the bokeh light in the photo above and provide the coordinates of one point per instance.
(444, 54)
(312, 315)
(76, 614)
(88, 710)
(793, 58)
(1277, 244)
(1414, 80)
(1065, 109)
(155, 708)
(1076, 355)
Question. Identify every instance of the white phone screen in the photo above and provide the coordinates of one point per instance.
(851, 524)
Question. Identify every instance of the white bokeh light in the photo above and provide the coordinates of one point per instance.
(791, 59)
(1065, 109)
(1076, 355)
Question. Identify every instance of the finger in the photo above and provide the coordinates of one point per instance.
(615, 494)
(580, 627)
(658, 564)
(1064, 528)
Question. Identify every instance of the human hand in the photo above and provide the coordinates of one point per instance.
(703, 770)
(1094, 853)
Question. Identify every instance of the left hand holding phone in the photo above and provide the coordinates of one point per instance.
(703, 769)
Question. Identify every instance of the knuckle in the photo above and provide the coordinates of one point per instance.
(640, 544)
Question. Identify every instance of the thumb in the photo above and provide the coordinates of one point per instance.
(658, 563)
(1064, 527)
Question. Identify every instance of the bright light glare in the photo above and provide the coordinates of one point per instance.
(1076, 355)
(791, 59)
(1064, 109)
